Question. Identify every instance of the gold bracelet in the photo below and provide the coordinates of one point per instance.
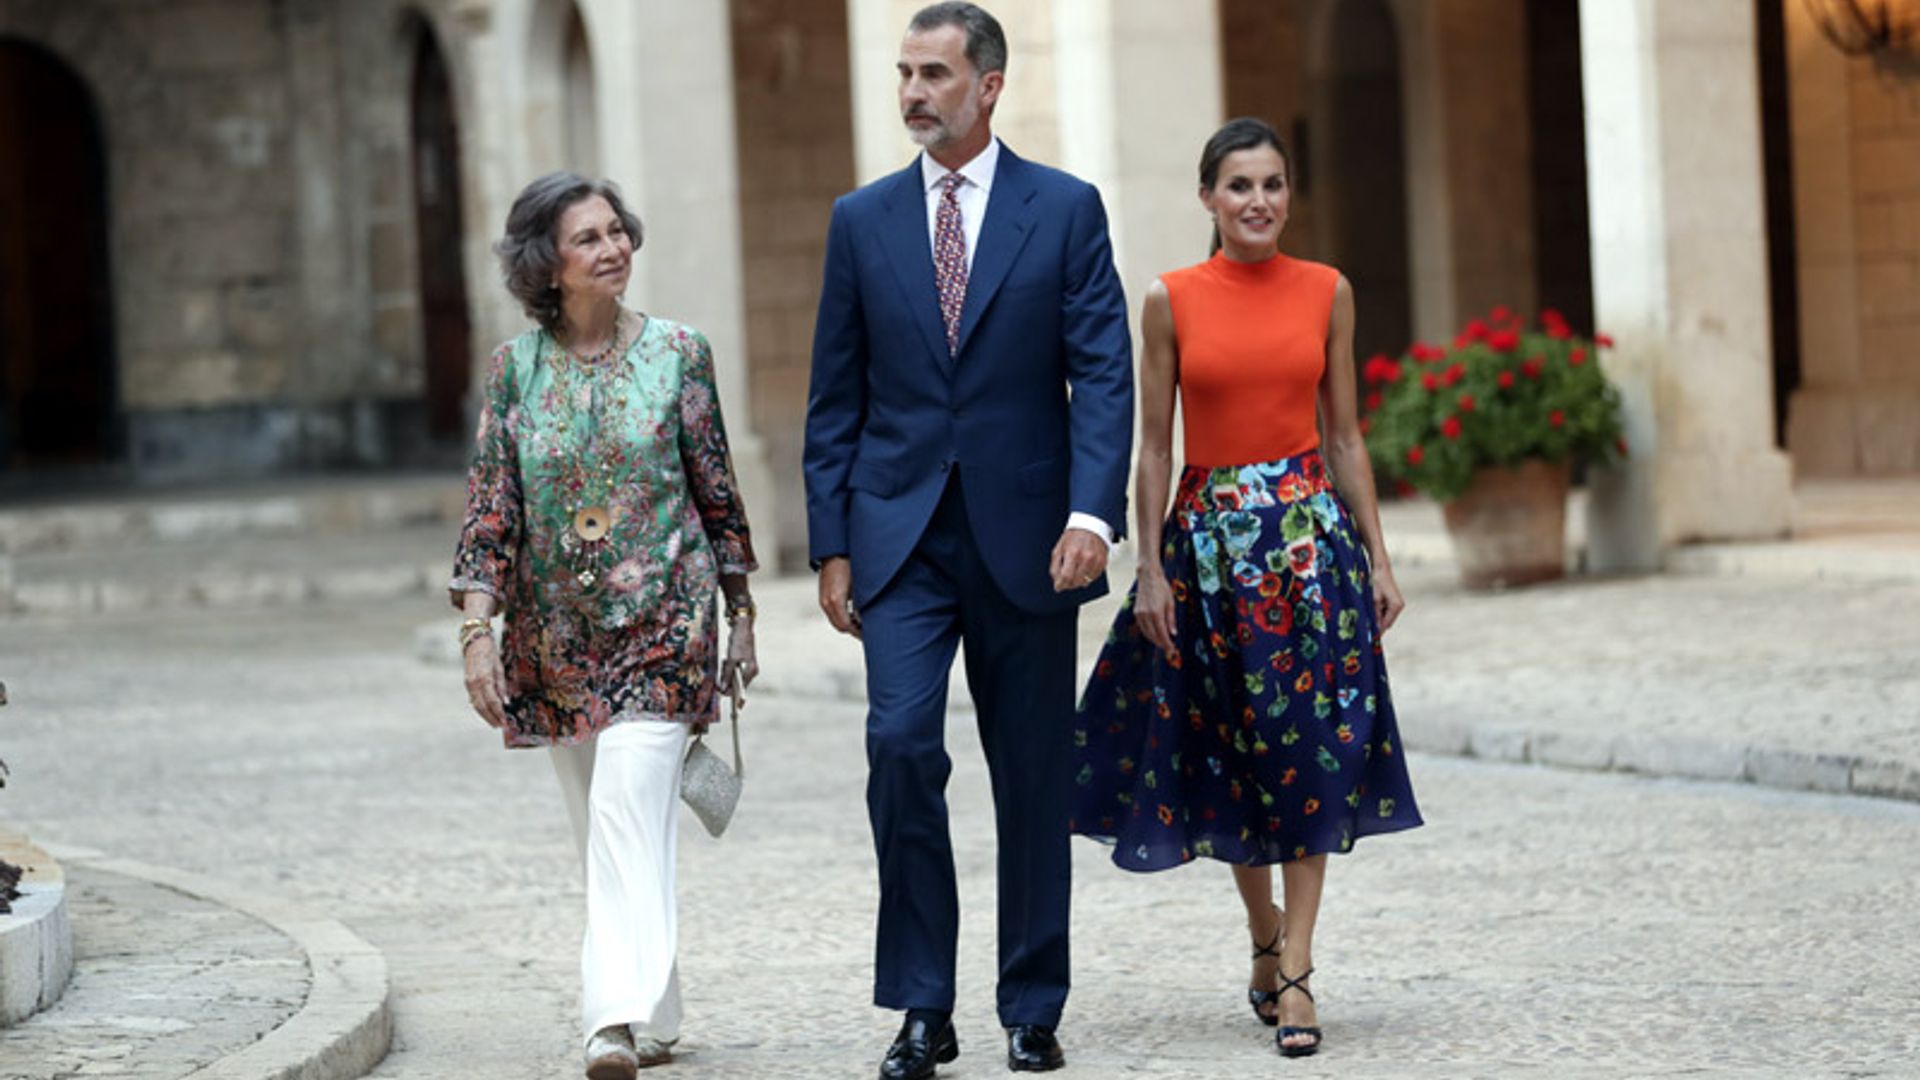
(473, 630)
(743, 607)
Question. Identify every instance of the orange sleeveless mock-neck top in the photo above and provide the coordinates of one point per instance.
(1252, 340)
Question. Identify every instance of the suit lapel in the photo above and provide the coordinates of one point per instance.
(911, 254)
(1009, 222)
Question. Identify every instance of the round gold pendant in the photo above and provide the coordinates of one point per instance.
(592, 523)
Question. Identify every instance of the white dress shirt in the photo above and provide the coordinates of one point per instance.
(972, 195)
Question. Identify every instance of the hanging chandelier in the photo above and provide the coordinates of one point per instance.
(1883, 29)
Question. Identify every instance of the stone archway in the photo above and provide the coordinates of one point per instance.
(1361, 175)
(57, 394)
(439, 231)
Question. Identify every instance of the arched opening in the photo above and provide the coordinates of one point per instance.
(1362, 182)
(563, 113)
(447, 334)
(57, 398)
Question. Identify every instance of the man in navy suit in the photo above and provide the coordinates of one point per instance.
(969, 431)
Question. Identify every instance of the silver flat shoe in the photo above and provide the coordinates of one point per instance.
(651, 1051)
(611, 1056)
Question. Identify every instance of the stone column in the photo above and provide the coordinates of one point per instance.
(667, 118)
(1140, 88)
(1679, 276)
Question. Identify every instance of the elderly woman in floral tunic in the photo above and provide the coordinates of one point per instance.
(601, 516)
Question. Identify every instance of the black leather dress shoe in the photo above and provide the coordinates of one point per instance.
(1032, 1048)
(917, 1049)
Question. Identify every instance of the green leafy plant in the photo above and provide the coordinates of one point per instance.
(1505, 393)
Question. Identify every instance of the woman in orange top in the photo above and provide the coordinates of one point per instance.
(1240, 709)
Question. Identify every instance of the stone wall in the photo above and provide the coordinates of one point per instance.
(262, 286)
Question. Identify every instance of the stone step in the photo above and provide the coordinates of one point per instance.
(232, 571)
(114, 521)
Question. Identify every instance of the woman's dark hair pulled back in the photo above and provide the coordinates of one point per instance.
(1237, 134)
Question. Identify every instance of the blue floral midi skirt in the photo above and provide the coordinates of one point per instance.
(1270, 735)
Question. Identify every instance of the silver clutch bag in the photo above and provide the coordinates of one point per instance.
(707, 786)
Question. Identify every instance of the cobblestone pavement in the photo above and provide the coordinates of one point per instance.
(163, 984)
(1545, 924)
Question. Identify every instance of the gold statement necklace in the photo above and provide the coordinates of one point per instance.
(587, 476)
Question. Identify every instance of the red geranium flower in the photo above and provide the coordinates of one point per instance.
(1467, 403)
(1557, 418)
(1506, 380)
(1476, 330)
(1502, 313)
(1503, 341)
(1603, 341)
(1373, 400)
(1429, 380)
(1416, 454)
(1577, 357)
(1533, 366)
(1450, 427)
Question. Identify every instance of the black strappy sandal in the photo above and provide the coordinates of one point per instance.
(1288, 1031)
(1257, 998)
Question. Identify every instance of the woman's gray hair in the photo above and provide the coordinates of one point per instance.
(530, 253)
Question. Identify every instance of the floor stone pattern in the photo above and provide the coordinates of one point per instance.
(1545, 923)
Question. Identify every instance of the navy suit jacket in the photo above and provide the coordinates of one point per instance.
(1035, 407)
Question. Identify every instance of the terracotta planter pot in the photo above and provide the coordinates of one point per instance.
(1510, 526)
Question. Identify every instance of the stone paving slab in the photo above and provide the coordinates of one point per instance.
(1546, 923)
(164, 984)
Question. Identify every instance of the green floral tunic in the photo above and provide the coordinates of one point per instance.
(623, 628)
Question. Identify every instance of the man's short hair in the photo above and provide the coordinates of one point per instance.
(986, 43)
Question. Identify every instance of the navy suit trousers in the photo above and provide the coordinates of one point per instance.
(1020, 670)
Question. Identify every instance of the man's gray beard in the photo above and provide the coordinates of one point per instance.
(929, 138)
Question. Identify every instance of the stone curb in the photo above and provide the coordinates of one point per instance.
(1634, 752)
(36, 939)
(1667, 756)
(344, 1028)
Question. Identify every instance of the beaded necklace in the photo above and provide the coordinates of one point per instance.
(589, 384)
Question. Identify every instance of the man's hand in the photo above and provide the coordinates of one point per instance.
(1078, 559)
(836, 595)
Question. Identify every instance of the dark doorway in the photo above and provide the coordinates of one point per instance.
(1556, 113)
(1365, 166)
(56, 299)
(438, 228)
(1783, 255)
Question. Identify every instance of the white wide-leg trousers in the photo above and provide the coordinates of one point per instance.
(622, 789)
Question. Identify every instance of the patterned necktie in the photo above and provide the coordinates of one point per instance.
(950, 258)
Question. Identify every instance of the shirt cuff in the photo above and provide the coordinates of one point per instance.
(1080, 519)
